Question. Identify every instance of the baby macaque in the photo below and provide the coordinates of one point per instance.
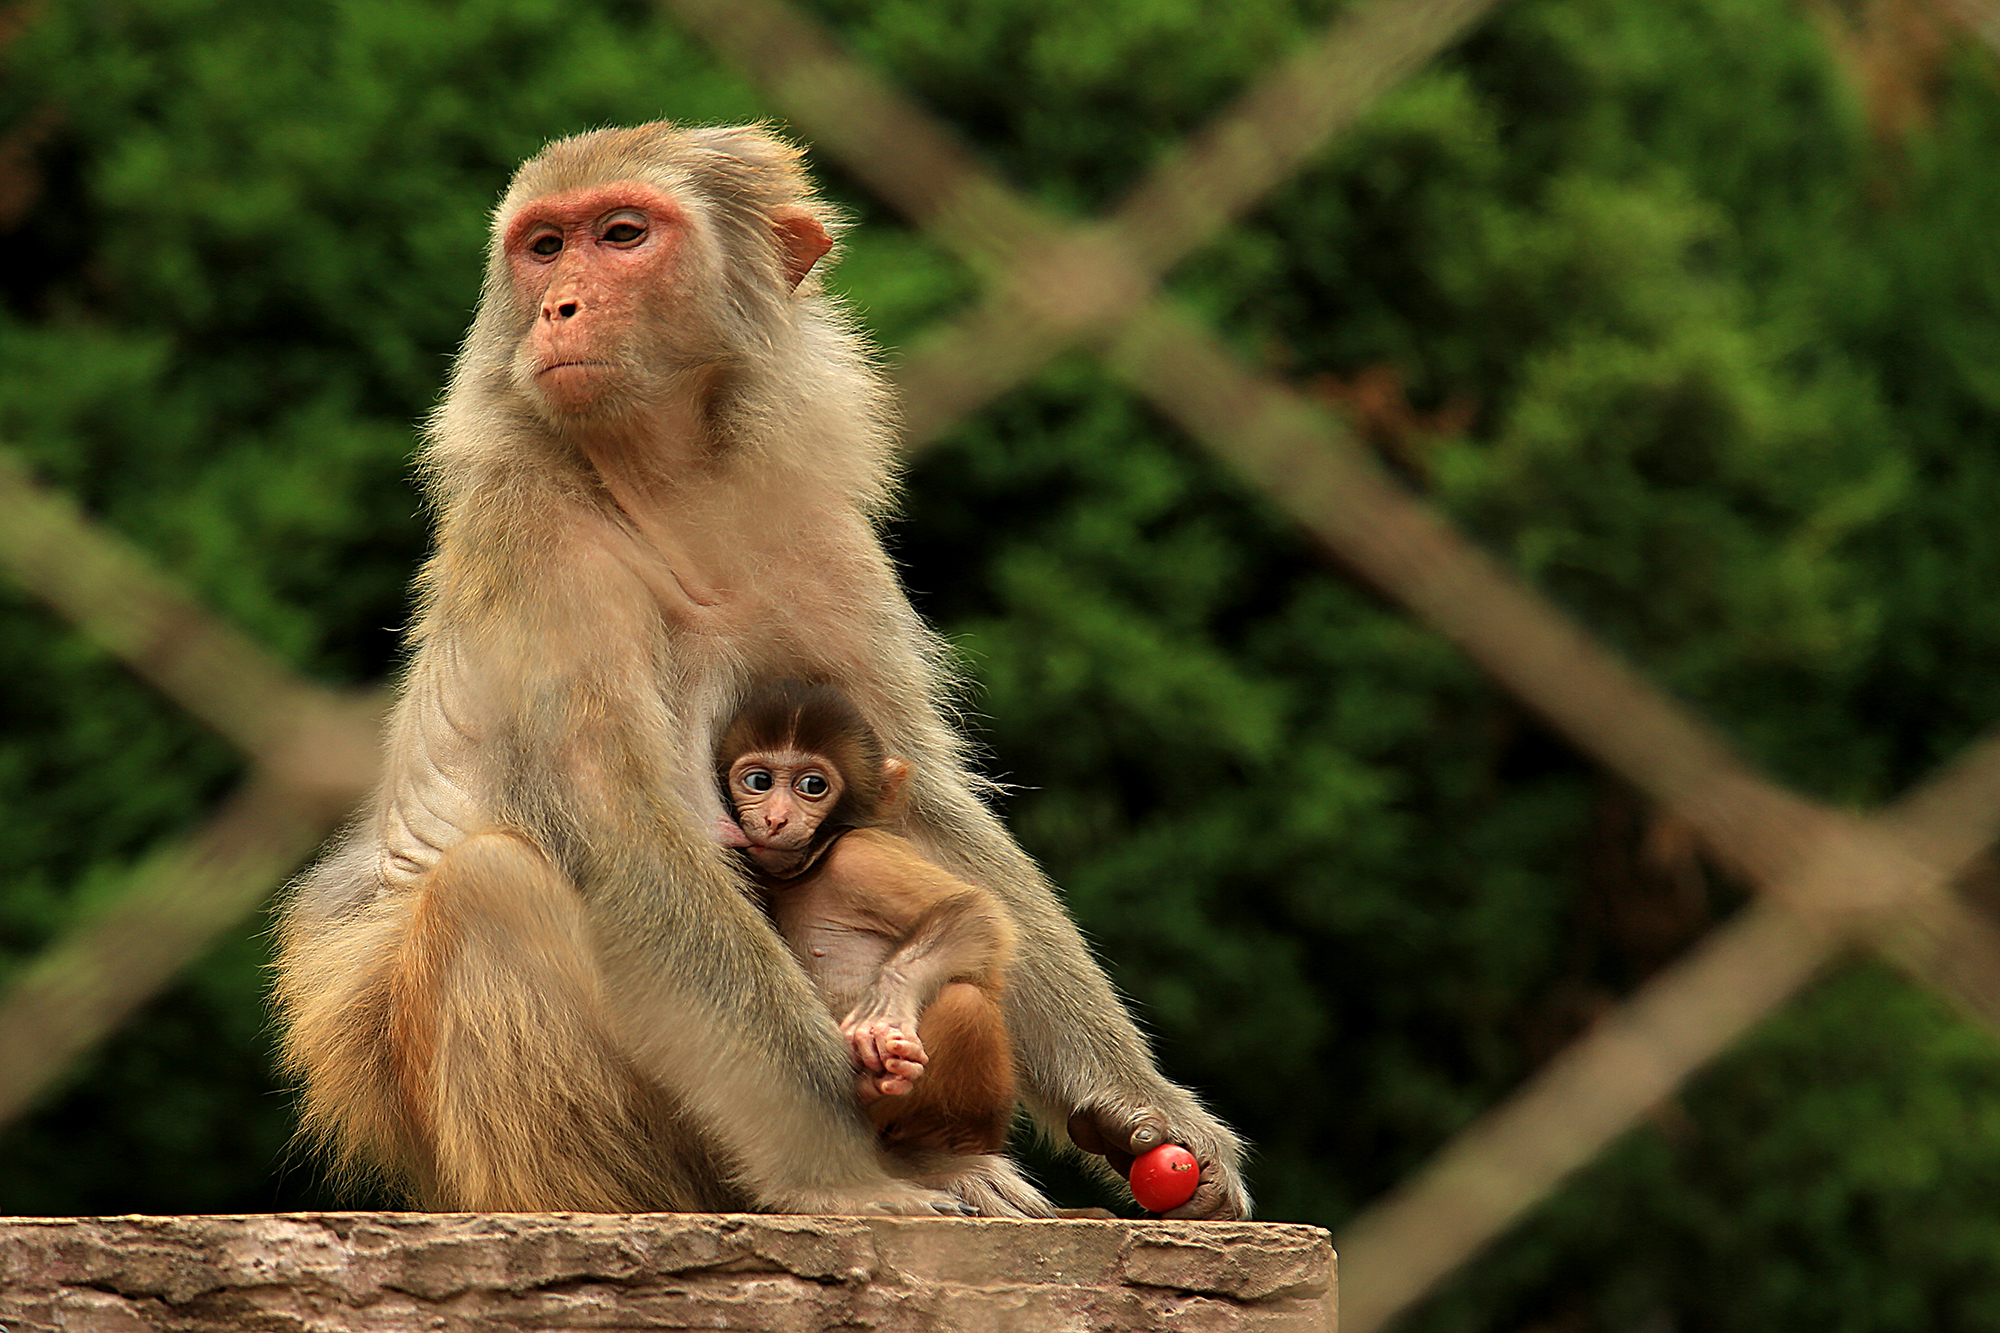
(910, 959)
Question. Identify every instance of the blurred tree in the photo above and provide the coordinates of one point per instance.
(1686, 307)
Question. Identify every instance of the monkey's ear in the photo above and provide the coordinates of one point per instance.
(802, 239)
(895, 773)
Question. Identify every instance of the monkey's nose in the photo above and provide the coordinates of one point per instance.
(562, 310)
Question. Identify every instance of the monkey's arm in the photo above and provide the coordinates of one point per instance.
(1086, 1070)
(944, 928)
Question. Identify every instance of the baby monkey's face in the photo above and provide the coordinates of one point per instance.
(781, 798)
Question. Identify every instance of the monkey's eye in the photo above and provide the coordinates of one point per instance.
(548, 243)
(623, 233)
(813, 786)
(758, 780)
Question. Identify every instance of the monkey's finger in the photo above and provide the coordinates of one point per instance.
(1215, 1199)
(865, 1051)
(901, 1045)
(1145, 1132)
(1083, 1133)
(892, 1043)
(1118, 1135)
(877, 1043)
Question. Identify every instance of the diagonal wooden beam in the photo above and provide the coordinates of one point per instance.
(1051, 284)
(314, 751)
(1492, 1173)
(1262, 140)
(122, 601)
(1307, 463)
(87, 983)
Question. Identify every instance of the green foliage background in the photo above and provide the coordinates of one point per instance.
(1703, 342)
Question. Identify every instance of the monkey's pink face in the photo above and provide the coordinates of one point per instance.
(781, 799)
(590, 262)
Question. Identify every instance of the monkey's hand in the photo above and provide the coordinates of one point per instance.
(1120, 1132)
(890, 1056)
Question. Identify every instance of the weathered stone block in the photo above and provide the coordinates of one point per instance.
(446, 1272)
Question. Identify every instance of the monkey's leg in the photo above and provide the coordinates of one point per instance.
(338, 945)
(949, 1129)
(964, 1101)
(516, 1098)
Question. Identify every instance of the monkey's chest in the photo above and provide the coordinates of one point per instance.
(841, 957)
(784, 595)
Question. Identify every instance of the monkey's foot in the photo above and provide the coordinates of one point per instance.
(891, 1058)
(992, 1186)
(895, 1198)
(988, 1184)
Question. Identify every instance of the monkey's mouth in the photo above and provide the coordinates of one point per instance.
(572, 388)
(780, 862)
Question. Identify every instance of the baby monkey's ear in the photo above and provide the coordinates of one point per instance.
(895, 773)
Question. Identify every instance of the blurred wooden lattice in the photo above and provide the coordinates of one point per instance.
(1827, 881)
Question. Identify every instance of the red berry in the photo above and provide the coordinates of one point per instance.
(1165, 1177)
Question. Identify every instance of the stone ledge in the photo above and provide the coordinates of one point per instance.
(375, 1272)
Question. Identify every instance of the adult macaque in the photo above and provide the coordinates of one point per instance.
(528, 978)
(911, 961)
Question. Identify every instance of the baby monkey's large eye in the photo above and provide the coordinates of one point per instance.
(813, 786)
(758, 780)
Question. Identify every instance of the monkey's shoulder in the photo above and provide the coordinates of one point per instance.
(869, 851)
(881, 876)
